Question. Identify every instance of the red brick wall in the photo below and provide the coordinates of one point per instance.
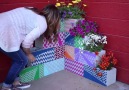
(10, 4)
(112, 16)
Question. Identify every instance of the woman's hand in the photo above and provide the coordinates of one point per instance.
(28, 54)
(31, 57)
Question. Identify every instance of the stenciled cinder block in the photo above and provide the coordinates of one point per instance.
(60, 41)
(59, 52)
(69, 39)
(43, 56)
(69, 52)
(53, 66)
(103, 77)
(74, 67)
(32, 73)
(87, 57)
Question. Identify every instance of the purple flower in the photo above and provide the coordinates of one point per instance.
(70, 13)
(83, 27)
(64, 15)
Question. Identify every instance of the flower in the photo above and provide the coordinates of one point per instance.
(94, 42)
(83, 27)
(107, 61)
(73, 9)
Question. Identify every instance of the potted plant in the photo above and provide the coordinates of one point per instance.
(71, 12)
(105, 72)
(82, 29)
(94, 42)
(108, 61)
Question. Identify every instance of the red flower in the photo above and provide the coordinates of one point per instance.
(94, 69)
(99, 74)
(96, 53)
(107, 61)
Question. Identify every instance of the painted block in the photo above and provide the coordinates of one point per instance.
(53, 66)
(87, 57)
(32, 73)
(66, 34)
(69, 23)
(59, 52)
(103, 77)
(74, 67)
(69, 40)
(69, 52)
(43, 55)
(59, 42)
(62, 26)
(78, 43)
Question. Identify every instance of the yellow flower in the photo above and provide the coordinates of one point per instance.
(84, 5)
(74, 1)
(58, 4)
(70, 4)
(78, 0)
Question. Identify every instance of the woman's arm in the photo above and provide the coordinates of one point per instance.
(33, 35)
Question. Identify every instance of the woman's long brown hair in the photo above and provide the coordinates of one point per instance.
(52, 16)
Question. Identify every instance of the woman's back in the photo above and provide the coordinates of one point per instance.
(15, 24)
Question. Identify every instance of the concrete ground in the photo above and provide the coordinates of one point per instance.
(65, 80)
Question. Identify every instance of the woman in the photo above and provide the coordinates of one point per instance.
(18, 30)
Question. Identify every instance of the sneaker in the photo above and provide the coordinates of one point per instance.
(5, 88)
(22, 85)
(14, 88)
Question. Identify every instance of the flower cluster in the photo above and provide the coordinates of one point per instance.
(83, 27)
(72, 10)
(107, 61)
(94, 42)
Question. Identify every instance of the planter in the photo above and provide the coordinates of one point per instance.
(69, 23)
(78, 42)
(103, 77)
(60, 41)
(32, 73)
(43, 56)
(74, 67)
(53, 66)
(87, 57)
(69, 52)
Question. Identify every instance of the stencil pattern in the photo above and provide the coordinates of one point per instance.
(53, 66)
(74, 66)
(90, 70)
(85, 57)
(43, 56)
(59, 52)
(69, 52)
(59, 42)
(69, 40)
(32, 73)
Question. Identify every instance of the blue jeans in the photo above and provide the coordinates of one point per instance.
(19, 61)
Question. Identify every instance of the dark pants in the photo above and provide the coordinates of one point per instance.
(19, 61)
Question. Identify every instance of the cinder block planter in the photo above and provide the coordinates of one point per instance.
(32, 73)
(87, 57)
(53, 66)
(74, 67)
(103, 77)
(69, 52)
(43, 56)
